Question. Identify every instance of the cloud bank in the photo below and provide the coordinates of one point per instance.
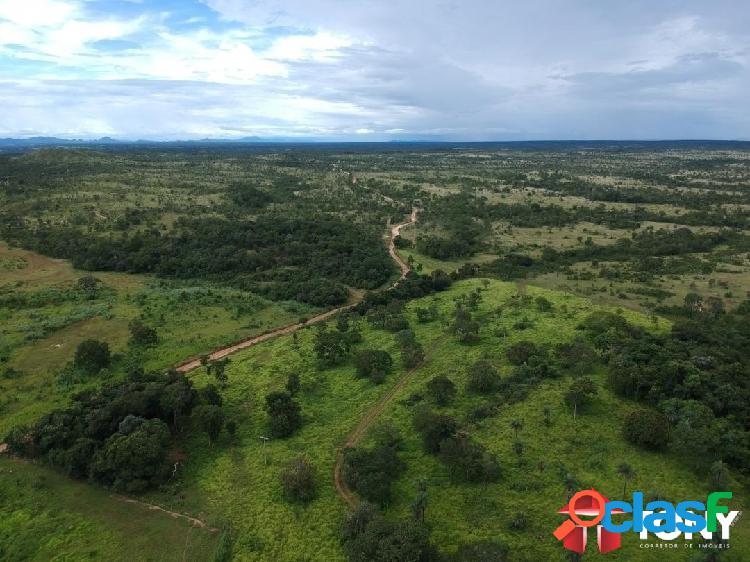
(375, 70)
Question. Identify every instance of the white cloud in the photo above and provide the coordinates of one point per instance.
(34, 13)
(374, 68)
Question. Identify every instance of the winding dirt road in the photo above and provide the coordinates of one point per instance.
(195, 362)
(367, 421)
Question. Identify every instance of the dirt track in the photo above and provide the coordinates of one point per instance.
(195, 362)
(364, 424)
(373, 414)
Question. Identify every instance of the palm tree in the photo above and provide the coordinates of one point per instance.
(627, 473)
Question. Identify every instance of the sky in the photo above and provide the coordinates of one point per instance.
(374, 70)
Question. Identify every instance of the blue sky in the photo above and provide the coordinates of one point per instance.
(375, 69)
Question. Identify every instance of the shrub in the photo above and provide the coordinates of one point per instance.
(374, 364)
(371, 472)
(211, 420)
(368, 536)
(519, 352)
(299, 480)
(442, 390)
(284, 413)
(483, 377)
(92, 356)
(468, 461)
(140, 334)
(647, 428)
(434, 428)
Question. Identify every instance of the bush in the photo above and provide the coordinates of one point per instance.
(519, 352)
(434, 428)
(285, 414)
(332, 347)
(371, 472)
(373, 364)
(543, 305)
(442, 390)
(211, 420)
(647, 428)
(140, 334)
(369, 537)
(468, 461)
(483, 377)
(92, 356)
(299, 480)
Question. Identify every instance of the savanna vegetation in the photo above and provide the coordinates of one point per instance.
(576, 316)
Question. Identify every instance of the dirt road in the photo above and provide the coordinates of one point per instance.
(195, 362)
(364, 424)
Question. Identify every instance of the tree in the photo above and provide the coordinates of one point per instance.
(434, 428)
(231, 427)
(285, 414)
(218, 368)
(299, 480)
(211, 420)
(547, 413)
(92, 356)
(577, 355)
(520, 352)
(442, 390)
(467, 460)
(331, 347)
(209, 394)
(412, 355)
(374, 364)
(131, 462)
(141, 334)
(370, 472)
(483, 377)
(580, 393)
(627, 473)
(647, 428)
(369, 537)
(177, 400)
(464, 327)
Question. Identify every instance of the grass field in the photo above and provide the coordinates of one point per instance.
(46, 516)
(238, 483)
(39, 336)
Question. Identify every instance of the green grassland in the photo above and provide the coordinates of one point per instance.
(237, 483)
(39, 335)
(46, 516)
